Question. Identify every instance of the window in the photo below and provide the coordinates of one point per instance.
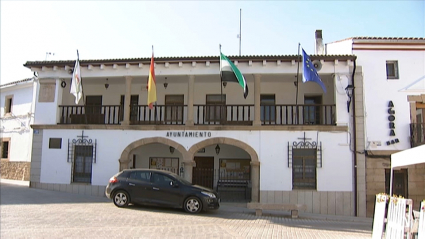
(8, 104)
(392, 69)
(214, 104)
(83, 158)
(161, 180)
(174, 106)
(268, 109)
(5, 148)
(304, 163)
(141, 176)
(399, 182)
(55, 143)
(312, 113)
(167, 164)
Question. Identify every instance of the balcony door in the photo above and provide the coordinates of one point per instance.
(134, 102)
(174, 106)
(268, 109)
(312, 113)
(93, 110)
(215, 111)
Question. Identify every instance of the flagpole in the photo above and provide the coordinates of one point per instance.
(240, 30)
(221, 87)
(82, 89)
(297, 83)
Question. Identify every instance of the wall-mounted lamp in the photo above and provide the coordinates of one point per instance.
(217, 149)
(165, 83)
(224, 84)
(172, 149)
(106, 84)
(349, 90)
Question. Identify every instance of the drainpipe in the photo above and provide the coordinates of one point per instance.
(355, 140)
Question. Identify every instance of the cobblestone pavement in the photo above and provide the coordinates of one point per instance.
(35, 213)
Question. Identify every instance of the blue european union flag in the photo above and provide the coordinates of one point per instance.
(310, 73)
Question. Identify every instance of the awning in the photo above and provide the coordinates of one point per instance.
(406, 157)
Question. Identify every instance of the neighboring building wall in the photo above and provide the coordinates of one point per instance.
(340, 47)
(16, 131)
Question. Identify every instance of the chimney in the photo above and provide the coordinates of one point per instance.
(319, 43)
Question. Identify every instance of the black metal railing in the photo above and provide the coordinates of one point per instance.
(223, 114)
(417, 134)
(298, 114)
(233, 186)
(79, 114)
(204, 115)
(159, 114)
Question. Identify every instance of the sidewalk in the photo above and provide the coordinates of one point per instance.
(242, 208)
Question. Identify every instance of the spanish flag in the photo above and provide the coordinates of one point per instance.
(151, 84)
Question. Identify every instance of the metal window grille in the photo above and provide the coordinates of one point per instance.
(82, 154)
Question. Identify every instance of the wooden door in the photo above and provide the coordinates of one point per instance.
(203, 173)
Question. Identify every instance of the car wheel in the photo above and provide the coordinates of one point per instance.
(121, 199)
(192, 205)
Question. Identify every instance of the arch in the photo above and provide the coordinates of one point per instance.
(221, 140)
(255, 163)
(125, 155)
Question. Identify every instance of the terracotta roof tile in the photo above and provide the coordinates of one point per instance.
(16, 82)
(182, 59)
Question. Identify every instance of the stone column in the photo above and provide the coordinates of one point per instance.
(257, 100)
(127, 98)
(190, 96)
(255, 180)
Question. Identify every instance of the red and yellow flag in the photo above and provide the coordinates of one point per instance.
(151, 84)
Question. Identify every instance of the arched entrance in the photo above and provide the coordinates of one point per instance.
(126, 155)
(254, 161)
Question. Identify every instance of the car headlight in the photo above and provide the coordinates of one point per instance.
(211, 195)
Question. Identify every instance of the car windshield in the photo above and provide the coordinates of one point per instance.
(184, 181)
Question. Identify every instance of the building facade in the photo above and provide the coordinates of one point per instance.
(287, 142)
(394, 93)
(17, 114)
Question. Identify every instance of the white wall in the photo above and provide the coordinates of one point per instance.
(48, 112)
(271, 147)
(17, 125)
(379, 91)
(340, 48)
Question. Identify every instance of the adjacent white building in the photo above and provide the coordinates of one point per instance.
(394, 109)
(269, 147)
(16, 115)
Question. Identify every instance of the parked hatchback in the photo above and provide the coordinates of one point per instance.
(160, 188)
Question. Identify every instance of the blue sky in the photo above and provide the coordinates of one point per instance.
(112, 29)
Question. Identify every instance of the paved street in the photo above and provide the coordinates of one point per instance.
(35, 213)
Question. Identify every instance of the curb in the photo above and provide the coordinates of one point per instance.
(15, 182)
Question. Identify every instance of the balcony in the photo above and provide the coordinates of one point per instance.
(202, 115)
(417, 132)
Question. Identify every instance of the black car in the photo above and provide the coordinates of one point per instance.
(160, 188)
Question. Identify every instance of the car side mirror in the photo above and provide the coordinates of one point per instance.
(173, 184)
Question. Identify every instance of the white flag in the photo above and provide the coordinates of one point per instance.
(76, 87)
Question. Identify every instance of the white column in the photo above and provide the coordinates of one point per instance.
(341, 111)
(190, 95)
(127, 97)
(257, 100)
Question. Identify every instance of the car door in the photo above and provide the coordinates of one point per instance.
(164, 193)
(139, 185)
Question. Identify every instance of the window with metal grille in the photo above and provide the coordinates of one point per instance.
(268, 108)
(304, 163)
(392, 70)
(174, 106)
(399, 182)
(83, 159)
(5, 146)
(215, 108)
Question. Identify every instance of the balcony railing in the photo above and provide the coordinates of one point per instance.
(417, 132)
(77, 114)
(202, 114)
(223, 114)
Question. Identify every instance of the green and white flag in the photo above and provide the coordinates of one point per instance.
(229, 72)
